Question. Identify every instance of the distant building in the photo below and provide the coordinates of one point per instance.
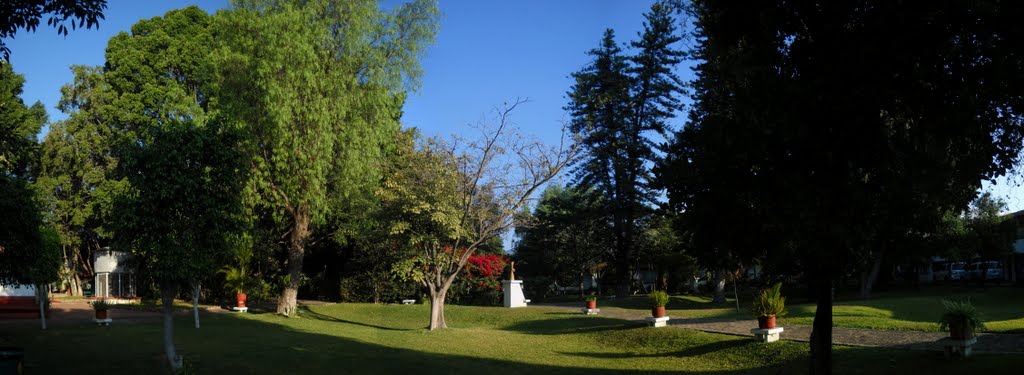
(115, 274)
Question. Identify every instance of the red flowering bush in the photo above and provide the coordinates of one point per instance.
(479, 283)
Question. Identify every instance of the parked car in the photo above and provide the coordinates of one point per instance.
(991, 268)
(956, 271)
(986, 270)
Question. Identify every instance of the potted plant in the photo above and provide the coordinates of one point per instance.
(236, 279)
(769, 305)
(961, 319)
(101, 306)
(591, 301)
(658, 301)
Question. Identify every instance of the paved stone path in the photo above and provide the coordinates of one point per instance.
(918, 340)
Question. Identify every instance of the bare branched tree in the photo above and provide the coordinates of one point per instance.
(494, 176)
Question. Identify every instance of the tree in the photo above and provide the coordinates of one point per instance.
(459, 196)
(806, 114)
(76, 170)
(173, 149)
(567, 235)
(182, 207)
(615, 104)
(27, 13)
(317, 85)
(20, 237)
(19, 125)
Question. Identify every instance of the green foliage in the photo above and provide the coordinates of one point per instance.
(184, 201)
(566, 236)
(29, 250)
(658, 298)
(27, 14)
(19, 125)
(591, 297)
(76, 173)
(316, 115)
(769, 302)
(960, 313)
(616, 103)
(100, 304)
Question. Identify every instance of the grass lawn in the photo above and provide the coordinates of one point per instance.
(919, 310)
(366, 338)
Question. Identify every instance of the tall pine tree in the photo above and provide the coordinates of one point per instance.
(616, 103)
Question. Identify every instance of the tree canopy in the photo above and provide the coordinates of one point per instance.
(317, 101)
(616, 103)
(825, 123)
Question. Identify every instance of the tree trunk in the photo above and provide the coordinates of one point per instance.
(296, 247)
(581, 284)
(41, 295)
(76, 283)
(867, 279)
(821, 331)
(437, 308)
(719, 287)
(167, 292)
(695, 286)
(195, 301)
(736, 294)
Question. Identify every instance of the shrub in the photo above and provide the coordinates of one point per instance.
(960, 313)
(658, 298)
(100, 304)
(770, 302)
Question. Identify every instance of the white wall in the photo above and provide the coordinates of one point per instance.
(110, 261)
(17, 291)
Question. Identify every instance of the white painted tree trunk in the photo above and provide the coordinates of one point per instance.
(41, 295)
(167, 292)
(195, 301)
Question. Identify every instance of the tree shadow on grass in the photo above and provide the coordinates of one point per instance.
(572, 325)
(272, 345)
(237, 344)
(692, 351)
(307, 313)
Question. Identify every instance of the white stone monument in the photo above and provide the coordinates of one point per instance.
(513, 290)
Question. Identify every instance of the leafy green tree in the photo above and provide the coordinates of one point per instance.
(806, 114)
(566, 235)
(182, 207)
(20, 238)
(75, 175)
(26, 14)
(19, 125)
(178, 156)
(317, 85)
(615, 103)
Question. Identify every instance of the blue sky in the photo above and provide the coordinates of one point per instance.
(487, 52)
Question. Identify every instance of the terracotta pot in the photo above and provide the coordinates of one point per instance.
(592, 304)
(957, 331)
(658, 312)
(240, 299)
(766, 322)
(101, 314)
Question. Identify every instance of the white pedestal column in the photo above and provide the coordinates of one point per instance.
(514, 293)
